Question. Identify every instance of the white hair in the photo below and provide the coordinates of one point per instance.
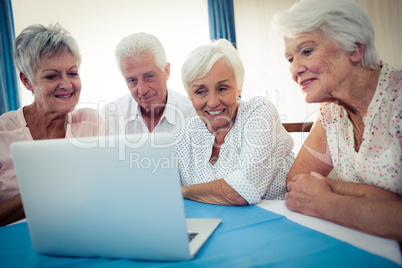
(138, 44)
(201, 60)
(342, 21)
(37, 40)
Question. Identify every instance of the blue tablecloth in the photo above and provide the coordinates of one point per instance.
(247, 237)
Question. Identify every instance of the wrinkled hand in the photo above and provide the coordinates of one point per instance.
(307, 194)
(362, 190)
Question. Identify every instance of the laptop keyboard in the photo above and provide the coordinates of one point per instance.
(191, 236)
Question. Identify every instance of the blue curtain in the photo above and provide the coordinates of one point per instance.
(221, 20)
(9, 95)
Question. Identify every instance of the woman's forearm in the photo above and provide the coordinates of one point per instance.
(11, 210)
(373, 210)
(361, 190)
(378, 217)
(215, 192)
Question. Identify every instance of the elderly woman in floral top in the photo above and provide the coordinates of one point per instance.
(330, 48)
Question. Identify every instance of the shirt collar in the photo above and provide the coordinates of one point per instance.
(135, 109)
(170, 110)
(169, 113)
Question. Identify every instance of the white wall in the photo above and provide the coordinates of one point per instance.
(98, 25)
(267, 72)
(182, 25)
(262, 52)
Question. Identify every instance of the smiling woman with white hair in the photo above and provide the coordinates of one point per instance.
(330, 48)
(234, 152)
(48, 61)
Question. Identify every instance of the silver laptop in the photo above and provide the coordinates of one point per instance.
(112, 196)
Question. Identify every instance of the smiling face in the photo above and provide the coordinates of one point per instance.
(214, 97)
(145, 80)
(57, 84)
(317, 65)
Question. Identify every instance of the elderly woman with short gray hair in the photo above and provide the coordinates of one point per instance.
(234, 152)
(48, 60)
(330, 49)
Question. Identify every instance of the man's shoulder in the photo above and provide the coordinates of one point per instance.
(178, 98)
(180, 102)
(123, 100)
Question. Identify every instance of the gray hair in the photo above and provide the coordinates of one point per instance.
(200, 62)
(342, 21)
(37, 40)
(138, 44)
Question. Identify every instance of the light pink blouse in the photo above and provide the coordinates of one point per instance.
(81, 123)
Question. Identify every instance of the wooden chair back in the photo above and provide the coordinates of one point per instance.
(298, 127)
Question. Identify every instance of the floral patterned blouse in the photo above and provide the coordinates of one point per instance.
(379, 159)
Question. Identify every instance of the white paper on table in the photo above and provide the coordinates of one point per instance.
(383, 247)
